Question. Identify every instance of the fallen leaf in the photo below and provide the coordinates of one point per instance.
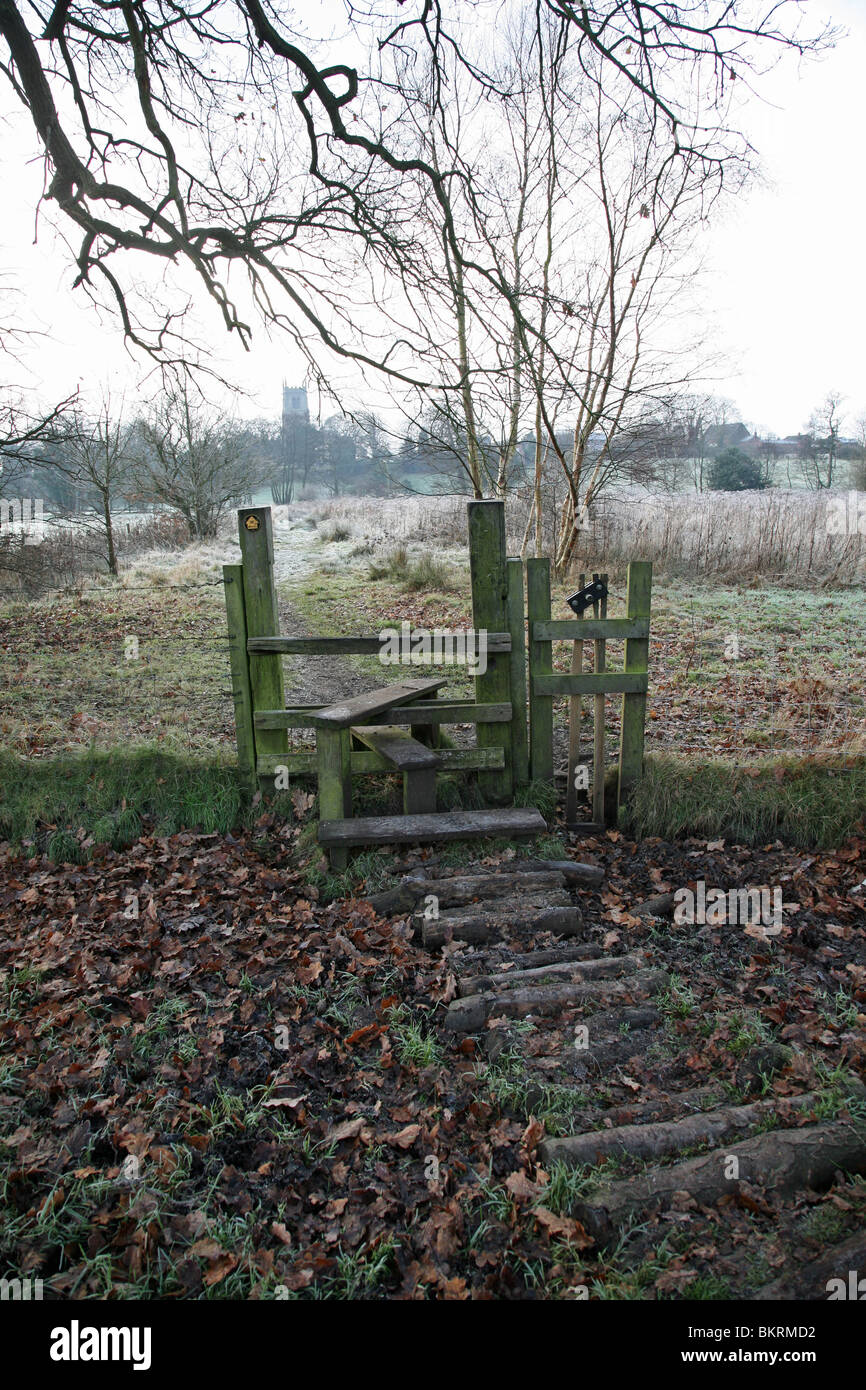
(405, 1138)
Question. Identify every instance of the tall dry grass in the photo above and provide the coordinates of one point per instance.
(778, 534)
(781, 534)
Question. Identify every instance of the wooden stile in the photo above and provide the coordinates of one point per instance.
(367, 733)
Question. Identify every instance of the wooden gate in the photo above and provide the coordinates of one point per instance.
(631, 681)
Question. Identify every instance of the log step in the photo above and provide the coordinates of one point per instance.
(780, 1161)
(563, 919)
(573, 871)
(512, 822)
(494, 962)
(821, 1278)
(600, 968)
(666, 1137)
(521, 877)
(470, 1013)
(467, 888)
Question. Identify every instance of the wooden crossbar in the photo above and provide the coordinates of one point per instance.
(357, 646)
(606, 683)
(590, 629)
(364, 760)
(425, 712)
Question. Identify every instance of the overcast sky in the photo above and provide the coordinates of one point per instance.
(785, 294)
(788, 280)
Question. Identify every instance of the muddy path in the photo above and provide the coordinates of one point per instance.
(298, 551)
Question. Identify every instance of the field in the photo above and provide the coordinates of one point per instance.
(225, 1075)
(740, 676)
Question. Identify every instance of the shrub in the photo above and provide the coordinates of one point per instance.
(428, 573)
(393, 566)
(734, 471)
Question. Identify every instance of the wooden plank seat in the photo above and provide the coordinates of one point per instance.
(417, 762)
(361, 709)
(397, 746)
(333, 725)
(512, 822)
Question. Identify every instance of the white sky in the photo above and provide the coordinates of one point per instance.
(785, 296)
(787, 284)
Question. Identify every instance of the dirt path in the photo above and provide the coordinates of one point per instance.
(298, 551)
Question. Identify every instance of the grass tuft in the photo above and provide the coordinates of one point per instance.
(814, 802)
(65, 806)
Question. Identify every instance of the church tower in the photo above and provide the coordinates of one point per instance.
(295, 404)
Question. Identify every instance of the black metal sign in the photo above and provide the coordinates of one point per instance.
(584, 598)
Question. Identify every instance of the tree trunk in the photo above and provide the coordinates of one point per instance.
(109, 535)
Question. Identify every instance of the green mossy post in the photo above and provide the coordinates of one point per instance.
(334, 766)
(262, 616)
(540, 664)
(517, 661)
(489, 578)
(575, 716)
(233, 579)
(428, 733)
(598, 770)
(640, 574)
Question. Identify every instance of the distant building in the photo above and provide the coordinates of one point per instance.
(295, 403)
(726, 436)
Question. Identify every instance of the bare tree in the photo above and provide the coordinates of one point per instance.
(187, 457)
(93, 453)
(825, 423)
(24, 425)
(213, 136)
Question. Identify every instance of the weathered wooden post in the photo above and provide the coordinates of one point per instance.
(540, 664)
(233, 579)
(334, 767)
(517, 629)
(489, 580)
(640, 573)
(600, 611)
(267, 690)
(575, 712)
